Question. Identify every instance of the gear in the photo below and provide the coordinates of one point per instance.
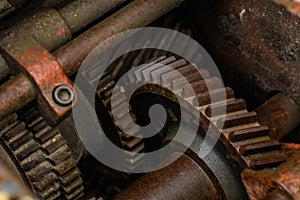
(41, 155)
(248, 141)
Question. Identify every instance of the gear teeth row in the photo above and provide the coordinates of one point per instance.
(106, 86)
(131, 144)
(247, 140)
(42, 155)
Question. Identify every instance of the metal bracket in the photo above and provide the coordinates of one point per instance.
(56, 93)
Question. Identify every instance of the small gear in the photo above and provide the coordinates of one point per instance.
(42, 156)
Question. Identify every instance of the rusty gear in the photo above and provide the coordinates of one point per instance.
(42, 156)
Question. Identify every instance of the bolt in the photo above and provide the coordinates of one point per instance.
(63, 95)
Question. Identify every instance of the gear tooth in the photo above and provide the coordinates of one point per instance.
(76, 194)
(7, 131)
(70, 176)
(16, 127)
(132, 143)
(54, 196)
(229, 106)
(60, 154)
(258, 147)
(39, 170)
(33, 160)
(45, 134)
(44, 182)
(73, 185)
(50, 190)
(53, 143)
(237, 120)
(248, 133)
(39, 125)
(156, 74)
(26, 149)
(146, 71)
(63, 167)
(265, 160)
(36, 124)
(8, 121)
(20, 139)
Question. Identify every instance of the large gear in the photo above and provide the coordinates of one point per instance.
(248, 141)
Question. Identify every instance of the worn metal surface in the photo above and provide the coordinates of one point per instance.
(139, 13)
(11, 187)
(46, 26)
(183, 179)
(247, 140)
(285, 179)
(52, 28)
(280, 114)
(43, 70)
(217, 160)
(254, 47)
(80, 13)
(292, 6)
(136, 14)
(16, 93)
(41, 154)
(290, 148)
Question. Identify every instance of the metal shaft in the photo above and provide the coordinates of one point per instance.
(281, 114)
(16, 93)
(183, 179)
(80, 13)
(137, 14)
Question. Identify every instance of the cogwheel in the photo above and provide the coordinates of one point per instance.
(42, 156)
(248, 141)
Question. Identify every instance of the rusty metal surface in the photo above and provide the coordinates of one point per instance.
(80, 13)
(284, 178)
(45, 72)
(280, 114)
(147, 11)
(183, 179)
(46, 26)
(219, 164)
(16, 93)
(290, 148)
(43, 157)
(254, 47)
(137, 14)
(51, 28)
(292, 6)
(247, 140)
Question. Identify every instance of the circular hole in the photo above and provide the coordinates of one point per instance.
(63, 95)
